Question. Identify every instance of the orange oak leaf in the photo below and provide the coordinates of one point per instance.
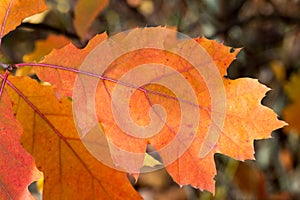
(85, 13)
(244, 121)
(69, 56)
(245, 118)
(11, 17)
(70, 171)
(17, 167)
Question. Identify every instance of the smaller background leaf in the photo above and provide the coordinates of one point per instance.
(44, 47)
(16, 11)
(291, 112)
(86, 12)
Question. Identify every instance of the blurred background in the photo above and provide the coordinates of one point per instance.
(269, 33)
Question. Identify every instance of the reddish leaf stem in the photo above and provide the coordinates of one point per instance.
(3, 82)
(4, 21)
(75, 71)
(142, 89)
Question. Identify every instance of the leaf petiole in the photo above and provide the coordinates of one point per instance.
(3, 82)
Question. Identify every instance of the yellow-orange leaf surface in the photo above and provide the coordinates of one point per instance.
(70, 172)
(17, 167)
(11, 15)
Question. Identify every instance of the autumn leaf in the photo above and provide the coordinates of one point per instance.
(51, 137)
(244, 122)
(11, 17)
(17, 167)
(245, 119)
(85, 14)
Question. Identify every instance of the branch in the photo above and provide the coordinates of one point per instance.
(46, 27)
